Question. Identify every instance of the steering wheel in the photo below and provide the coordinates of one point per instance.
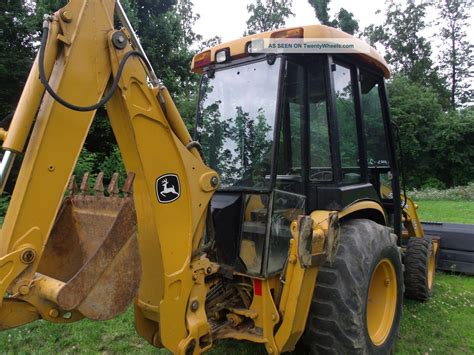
(322, 176)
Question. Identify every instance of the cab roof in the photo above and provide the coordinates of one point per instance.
(238, 47)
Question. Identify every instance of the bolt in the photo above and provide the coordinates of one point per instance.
(53, 313)
(51, 168)
(387, 282)
(24, 290)
(119, 40)
(67, 315)
(214, 181)
(66, 16)
(194, 305)
(28, 256)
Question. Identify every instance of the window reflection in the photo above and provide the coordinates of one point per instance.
(236, 122)
(377, 154)
(320, 151)
(286, 208)
(346, 120)
(253, 232)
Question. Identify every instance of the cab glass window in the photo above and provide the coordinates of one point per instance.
(346, 119)
(236, 116)
(377, 154)
(320, 151)
(292, 113)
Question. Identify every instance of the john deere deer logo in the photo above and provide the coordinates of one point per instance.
(168, 188)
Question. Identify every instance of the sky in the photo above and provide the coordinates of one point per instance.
(227, 18)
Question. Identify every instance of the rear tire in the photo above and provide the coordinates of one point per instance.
(345, 315)
(420, 265)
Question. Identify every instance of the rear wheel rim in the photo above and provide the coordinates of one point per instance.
(431, 269)
(381, 301)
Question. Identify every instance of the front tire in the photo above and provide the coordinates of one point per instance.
(357, 301)
(420, 265)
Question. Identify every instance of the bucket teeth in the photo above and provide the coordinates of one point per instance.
(113, 189)
(85, 184)
(113, 186)
(72, 186)
(99, 185)
(128, 185)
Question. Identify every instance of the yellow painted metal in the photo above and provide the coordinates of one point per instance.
(170, 304)
(31, 97)
(238, 47)
(381, 301)
(410, 218)
(15, 313)
(268, 315)
(58, 134)
(167, 232)
(10, 267)
(3, 134)
(431, 267)
(298, 289)
(363, 205)
(152, 144)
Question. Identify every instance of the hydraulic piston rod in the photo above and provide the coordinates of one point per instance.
(5, 168)
(122, 15)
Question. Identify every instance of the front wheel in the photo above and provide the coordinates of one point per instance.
(357, 301)
(420, 267)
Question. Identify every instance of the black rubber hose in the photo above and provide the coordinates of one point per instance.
(105, 99)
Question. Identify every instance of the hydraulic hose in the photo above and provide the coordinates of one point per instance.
(108, 95)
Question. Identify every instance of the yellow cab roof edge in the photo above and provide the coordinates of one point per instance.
(238, 47)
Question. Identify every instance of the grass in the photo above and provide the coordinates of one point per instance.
(446, 211)
(443, 325)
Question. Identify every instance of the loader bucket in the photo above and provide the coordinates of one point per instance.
(93, 250)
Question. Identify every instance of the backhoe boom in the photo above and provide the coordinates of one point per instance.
(82, 59)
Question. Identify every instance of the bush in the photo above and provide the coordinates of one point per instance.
(433, 183)
(465, 193)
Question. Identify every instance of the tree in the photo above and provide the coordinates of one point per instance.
(453, 138)
(344, 19)
(321, 8)
(16, 53)
(346, 22)
(456, 58)
(407, 51)
(268, 16)
(416, 111)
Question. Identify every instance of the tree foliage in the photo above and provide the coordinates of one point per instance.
(16, 53)
(457, 53)
(343, 20)
(268, 16)
(437, 142)
(408, 52)
(165, 29)
(415, 110)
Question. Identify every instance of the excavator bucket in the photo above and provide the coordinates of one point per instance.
(93, 251)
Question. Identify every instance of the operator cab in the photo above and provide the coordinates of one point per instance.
(290, 134)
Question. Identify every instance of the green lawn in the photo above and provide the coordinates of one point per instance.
(443, 325)
(446, 211)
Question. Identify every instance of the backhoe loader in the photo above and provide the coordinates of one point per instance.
(281, 222)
